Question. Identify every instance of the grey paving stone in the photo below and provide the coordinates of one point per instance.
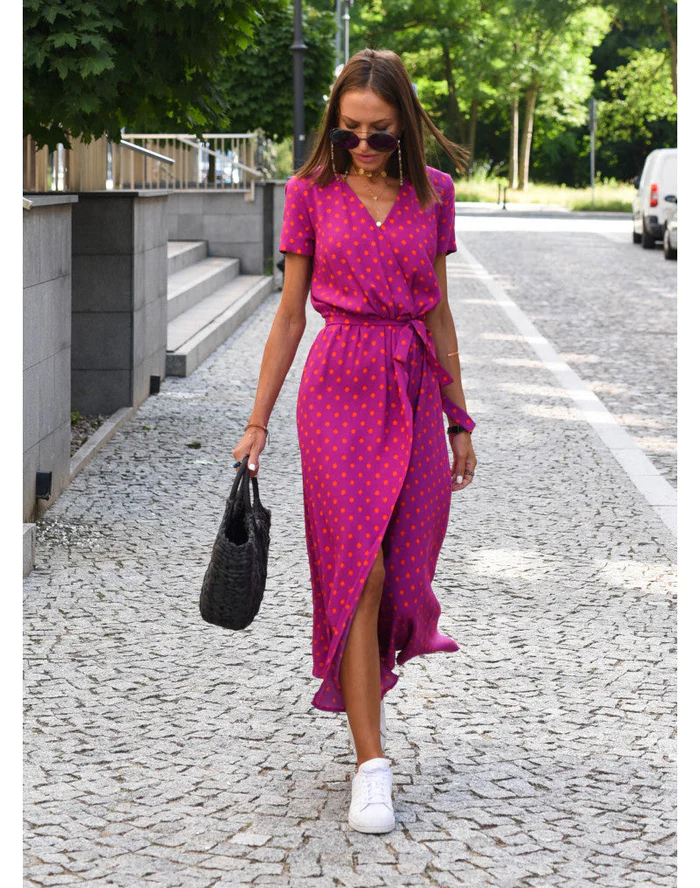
(162, 751)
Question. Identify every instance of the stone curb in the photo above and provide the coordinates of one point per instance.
(79, 460)
(28, 548)
(467, 209)
(98, 439)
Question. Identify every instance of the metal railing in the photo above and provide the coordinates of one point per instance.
(115, 160)
(172, 161)
(220, 161)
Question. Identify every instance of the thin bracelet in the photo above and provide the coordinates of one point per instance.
(449, 354)
(256, 426)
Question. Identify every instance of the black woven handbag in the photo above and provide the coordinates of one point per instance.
(234, 582)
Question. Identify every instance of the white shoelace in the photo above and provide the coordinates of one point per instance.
(376, 787)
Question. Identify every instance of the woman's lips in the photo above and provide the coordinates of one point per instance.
(366, 157)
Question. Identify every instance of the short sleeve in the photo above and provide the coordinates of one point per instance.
(446, 242)
(297, 227)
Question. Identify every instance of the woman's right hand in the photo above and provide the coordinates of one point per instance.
(251, 445)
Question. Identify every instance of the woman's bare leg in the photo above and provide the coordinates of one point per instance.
(359, 668)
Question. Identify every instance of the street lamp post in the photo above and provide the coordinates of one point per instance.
(592, 120)
(338, 29)
(298, 49)
(346, 18)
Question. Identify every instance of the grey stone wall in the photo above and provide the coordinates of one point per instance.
(120, 283)
(46, 346)
(232, 225)
(278, 211)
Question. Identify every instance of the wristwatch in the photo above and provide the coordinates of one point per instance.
(456, 429)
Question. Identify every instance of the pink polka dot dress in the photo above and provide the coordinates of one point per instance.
(375, 460)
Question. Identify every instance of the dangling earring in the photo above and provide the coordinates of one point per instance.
(400, 166)
(335, 172)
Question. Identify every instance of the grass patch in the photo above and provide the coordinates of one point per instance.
(613, 206)
(610, 195)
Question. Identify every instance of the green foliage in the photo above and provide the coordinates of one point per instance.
(258, 81)
(658, 15)
(445, 45)
(640, 95)
(564, 49)
(95, 66)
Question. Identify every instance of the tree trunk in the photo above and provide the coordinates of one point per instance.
(471, 145)
(456, 119)
(513, 157)
(674, 48)
(526, 136)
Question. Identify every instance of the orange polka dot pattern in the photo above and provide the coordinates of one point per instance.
(374, 455)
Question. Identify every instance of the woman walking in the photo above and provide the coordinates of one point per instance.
(367, 225)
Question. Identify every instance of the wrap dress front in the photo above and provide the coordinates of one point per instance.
(376, 466)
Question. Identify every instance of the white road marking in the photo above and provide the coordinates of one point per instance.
(581, 224)
(660, 495)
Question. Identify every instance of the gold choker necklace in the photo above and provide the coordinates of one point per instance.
(362, 172)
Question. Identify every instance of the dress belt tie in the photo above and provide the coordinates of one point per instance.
(418, 325)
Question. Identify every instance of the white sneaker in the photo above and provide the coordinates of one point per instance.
(371, 808)
(382, 728)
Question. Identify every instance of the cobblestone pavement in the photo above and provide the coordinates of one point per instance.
(163, 751)
(606, 304)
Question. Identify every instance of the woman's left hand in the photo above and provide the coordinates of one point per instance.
(463, 460)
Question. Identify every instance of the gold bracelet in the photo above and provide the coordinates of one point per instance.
(449, 354)
(255, 425)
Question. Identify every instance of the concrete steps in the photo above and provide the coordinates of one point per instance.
(208, 299)
(183, 253)
(188, 286)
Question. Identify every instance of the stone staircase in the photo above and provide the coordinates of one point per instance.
(208, 299)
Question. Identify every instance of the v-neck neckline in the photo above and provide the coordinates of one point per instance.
(375, 224)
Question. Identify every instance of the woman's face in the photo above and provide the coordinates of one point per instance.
(364, 112)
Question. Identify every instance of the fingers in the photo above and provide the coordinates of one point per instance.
(253, 467)
(463, 467)
(251, 445)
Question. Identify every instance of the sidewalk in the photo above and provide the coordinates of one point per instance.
(550, 211)
(163, 751)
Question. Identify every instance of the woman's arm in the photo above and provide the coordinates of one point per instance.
(440, 322)
(280, 349)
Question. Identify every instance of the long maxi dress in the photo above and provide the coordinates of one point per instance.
(376, 467)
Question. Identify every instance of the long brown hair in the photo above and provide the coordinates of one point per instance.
(382, 71)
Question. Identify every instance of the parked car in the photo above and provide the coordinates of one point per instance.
(650, 207)
(671, 232)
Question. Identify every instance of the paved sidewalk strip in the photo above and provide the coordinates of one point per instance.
(646, 477)
(163, 751)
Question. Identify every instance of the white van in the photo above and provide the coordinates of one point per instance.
(650, 208)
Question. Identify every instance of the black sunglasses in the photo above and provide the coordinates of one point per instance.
(377, 141)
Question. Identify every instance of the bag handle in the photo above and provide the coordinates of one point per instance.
(243, 475)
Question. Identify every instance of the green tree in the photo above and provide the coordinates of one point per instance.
(94, 66)
(631, 124)
(524, 71)
(640, 95)
(661, 15)
(552, 44)
(258, 80)
(434, 38)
